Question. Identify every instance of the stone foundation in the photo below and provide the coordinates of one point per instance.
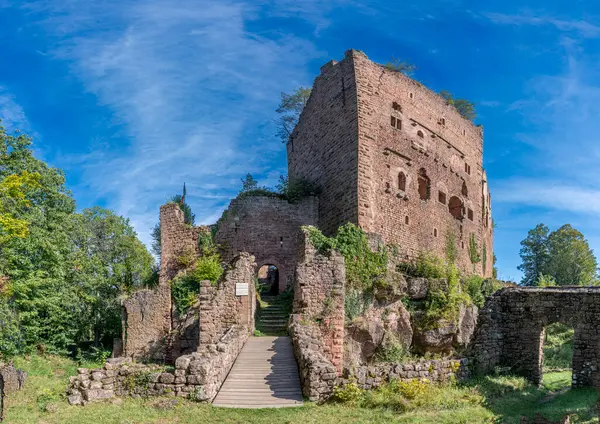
(197, 376)
(438, 371)
(317, 374)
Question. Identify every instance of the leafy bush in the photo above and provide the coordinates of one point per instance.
(363, 265)
(426, 265)
(11, 339)
(546, 281)
(412, 389)
(185, 288)
(349, 393)
(391, 350)
(356, 303)
(473, 286)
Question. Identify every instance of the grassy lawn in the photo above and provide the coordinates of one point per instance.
(497, 399)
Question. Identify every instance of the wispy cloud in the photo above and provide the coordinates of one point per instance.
(580, 26)
(12, 114)
(188, 85)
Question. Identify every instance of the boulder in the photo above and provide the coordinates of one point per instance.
(467, 321)
(392, 287)
(75, 398)
(14, 379)
(93, 395)
(396, 321)
(366, 334)
(417, 288)
(437, 339)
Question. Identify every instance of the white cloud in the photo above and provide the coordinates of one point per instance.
(12, 114)
(188, 84)
(580, 26)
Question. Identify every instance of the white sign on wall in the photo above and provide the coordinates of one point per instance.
(241, 289)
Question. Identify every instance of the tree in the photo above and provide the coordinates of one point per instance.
(534, 254)
(572, 261)
(12, 201)
(563, 256)
(401, 66)
(289, 111)
(465, 107)
(249, 183)
(63, 280)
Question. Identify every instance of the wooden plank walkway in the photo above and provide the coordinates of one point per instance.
(265, 375)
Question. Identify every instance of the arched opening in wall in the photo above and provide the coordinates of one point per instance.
(455, 207)
(424, 185)
(556, 355)
(464, 190)
(420, 134)
(402, 181)
(268, 279)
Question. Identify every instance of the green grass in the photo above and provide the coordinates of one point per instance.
(558, 347)
(485, 400)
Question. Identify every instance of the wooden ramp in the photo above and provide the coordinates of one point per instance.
(264, 375)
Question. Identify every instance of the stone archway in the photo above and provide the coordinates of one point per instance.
(268, 279)
(510, 331)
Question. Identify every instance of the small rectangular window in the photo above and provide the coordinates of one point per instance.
(393, 122)
(398, 124)
(466, 167)
(470, 214)
(435, 232)
(442, 197)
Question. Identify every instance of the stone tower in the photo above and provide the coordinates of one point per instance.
(394, 158)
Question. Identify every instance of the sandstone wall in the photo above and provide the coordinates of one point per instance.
(319, 296)
(220, 309)
(323, 148)
(267, 228)
(381, 124)
(196, 376)
(511, 331)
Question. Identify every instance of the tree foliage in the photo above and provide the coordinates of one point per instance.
(401, 66)
(465, 107)
(64, 277)
(563, 256)
(289, 110)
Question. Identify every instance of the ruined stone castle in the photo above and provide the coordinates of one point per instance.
(390, 156)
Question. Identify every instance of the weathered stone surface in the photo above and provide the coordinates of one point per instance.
(14, 379)
(93, 395)
(409, 166)
(467, 321)
(75, 399)
(417, 288)
(435, 340)
(249, 220)
(511, 325)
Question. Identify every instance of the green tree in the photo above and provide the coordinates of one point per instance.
(249, 183)
(534, 254)
(63, 279)
(289, 110)
(563, 255)
(465, 107)
(401, 66)
(572, 261)
(12, 201)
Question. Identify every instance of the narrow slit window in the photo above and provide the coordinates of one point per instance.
(435, 232)
(393, 122)
(406, 220)
(402, 181)
(442, 197)
(470, 214)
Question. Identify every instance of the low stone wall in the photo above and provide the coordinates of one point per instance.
(196, 376)
(373, 376)
(317, 374)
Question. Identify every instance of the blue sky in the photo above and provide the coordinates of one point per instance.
(132, 98)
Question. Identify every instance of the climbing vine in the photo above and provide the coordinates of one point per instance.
(474, 251)
(364, 265)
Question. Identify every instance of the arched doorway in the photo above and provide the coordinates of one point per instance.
(268, 279)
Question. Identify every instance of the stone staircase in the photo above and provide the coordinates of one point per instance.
(273, 316)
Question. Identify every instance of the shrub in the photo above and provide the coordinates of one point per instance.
(356, 303)
(426, 265)
(363, 265)
(473, 286)
(412, 389)
(391, 350)
(349, 393)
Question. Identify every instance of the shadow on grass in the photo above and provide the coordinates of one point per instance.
(511, 398)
